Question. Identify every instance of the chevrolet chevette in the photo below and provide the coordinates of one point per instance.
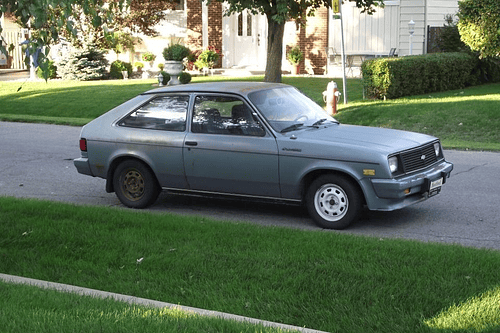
(257, 140)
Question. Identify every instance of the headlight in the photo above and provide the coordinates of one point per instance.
(437, 149)
(393, 164)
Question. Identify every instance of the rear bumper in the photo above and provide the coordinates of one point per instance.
(82, 166)
(396, 193)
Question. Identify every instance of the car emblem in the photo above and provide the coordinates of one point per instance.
(422, 157)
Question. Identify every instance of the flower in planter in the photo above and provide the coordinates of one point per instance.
(148, 56)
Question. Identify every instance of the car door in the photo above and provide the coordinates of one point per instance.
(228, 150)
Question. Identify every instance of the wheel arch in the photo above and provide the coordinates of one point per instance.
(117, 161)
(312, 175)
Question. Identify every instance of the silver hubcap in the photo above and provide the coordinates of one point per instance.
(331, 202)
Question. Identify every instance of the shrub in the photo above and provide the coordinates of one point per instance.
(175, 52)
(488, 70)
(83, 65)
(52, 71)
(185, 77)
(414, 75)
(449, 38)
(295, 55)
(117, 67)
(166, 77)
(208, 58)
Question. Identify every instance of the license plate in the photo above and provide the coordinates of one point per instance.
(435, 187)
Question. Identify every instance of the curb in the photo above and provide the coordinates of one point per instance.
(146, 302)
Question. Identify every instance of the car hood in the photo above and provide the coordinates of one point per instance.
(383, 140)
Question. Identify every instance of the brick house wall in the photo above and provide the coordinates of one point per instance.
(195, 25)
(313, 40)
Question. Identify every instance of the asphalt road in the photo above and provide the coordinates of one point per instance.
(36, 161)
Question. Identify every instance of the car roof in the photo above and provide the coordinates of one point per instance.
(235, 87)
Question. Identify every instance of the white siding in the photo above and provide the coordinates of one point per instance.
(424, 13)
(371, 34)
(412, 10)
(438, 9)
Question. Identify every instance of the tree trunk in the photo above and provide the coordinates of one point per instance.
(274, 50)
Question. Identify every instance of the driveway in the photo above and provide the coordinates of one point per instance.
(36, 161)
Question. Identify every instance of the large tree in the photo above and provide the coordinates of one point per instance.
(278, 12)
(479, 26)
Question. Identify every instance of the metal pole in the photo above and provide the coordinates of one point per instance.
(344, 81)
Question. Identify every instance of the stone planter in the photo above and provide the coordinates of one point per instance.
(174, 69)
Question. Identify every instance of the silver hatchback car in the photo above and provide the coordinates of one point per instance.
(257, 140)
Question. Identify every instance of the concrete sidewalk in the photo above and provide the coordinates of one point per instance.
(14, 74)
(145, 302)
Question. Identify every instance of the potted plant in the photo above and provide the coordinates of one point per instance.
(174, 55)
(149, 57)
(139, 65)
(208, 58)
(295, 56)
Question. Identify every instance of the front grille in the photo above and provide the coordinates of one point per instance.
(418, 158)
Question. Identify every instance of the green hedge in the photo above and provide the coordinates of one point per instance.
(117, 67)
(416, 75)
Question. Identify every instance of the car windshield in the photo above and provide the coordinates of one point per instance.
(287, 109)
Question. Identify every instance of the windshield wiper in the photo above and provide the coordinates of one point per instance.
(319, 122)
(292, 127)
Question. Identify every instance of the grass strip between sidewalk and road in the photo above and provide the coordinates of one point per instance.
(327, 281)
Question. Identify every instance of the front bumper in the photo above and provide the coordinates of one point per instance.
(396, 193)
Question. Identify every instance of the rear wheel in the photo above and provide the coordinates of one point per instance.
(333, 201)
(135, 185)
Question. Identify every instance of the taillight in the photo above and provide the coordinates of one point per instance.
(83, 144)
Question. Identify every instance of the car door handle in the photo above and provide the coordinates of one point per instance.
(191, 143)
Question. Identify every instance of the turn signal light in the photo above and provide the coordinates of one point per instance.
(83, 144)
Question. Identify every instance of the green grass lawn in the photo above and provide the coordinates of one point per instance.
(328, 281)
(323, 280)
(31, 309)
(464, 119)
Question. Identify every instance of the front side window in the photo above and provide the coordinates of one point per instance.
(166, 113)
(224, 115)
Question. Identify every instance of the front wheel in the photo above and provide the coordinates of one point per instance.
(135, 185)
(333, 202)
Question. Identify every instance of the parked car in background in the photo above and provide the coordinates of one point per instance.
(257, 140)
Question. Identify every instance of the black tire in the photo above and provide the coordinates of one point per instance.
(135, 185)
(333, 201)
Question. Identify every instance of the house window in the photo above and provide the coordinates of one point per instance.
(240, 24)
(249, 25)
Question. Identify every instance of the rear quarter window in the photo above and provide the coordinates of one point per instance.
(167, 113)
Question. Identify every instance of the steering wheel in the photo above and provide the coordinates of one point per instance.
(300, 117)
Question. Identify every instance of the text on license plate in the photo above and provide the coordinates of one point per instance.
(436, 184)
